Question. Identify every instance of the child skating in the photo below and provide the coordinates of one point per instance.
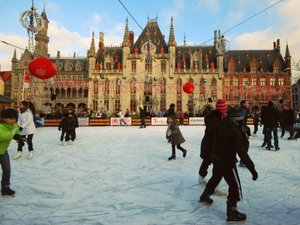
(175, 137)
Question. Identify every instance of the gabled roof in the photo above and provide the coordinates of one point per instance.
(153, 34)
(5, 75)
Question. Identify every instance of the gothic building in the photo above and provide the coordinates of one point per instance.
(151, 71)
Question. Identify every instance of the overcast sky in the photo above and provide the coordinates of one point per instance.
(247, 24)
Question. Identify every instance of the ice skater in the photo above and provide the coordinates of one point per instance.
(68, 124)
(8, 130)
(27, 127)
(175, 137)
(226, 141)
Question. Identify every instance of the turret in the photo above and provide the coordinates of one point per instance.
(172, 49)
(92, 54)
(41, 38)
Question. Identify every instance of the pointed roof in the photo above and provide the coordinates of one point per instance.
(287, 51)
(126, 41)
(153, 34)
(44, 15)
(92, 51)
(5, 75)
(172, 41)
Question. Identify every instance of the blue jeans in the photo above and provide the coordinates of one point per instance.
(5, 165)
(268, 133)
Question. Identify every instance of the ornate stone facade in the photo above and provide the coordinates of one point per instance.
(151, 72)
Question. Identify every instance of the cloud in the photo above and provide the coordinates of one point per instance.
(212, 6)
(174, 10)
(66, 41)
(7, 51)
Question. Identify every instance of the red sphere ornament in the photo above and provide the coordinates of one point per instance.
(42, 68)
(188, 88)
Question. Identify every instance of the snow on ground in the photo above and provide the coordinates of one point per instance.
(120, 175)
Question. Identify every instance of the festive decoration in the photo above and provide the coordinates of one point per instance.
(42, 68)
(188, 88)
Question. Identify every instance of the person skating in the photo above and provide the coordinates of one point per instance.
(226, 141)
(175, 136)
(270, 119)
(68, 124)
(27, 127)
(211, 120)
(143, 117)
(8, 130)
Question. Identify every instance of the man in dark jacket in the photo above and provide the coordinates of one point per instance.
(287, 121)
(211, 120)
(270, 119)
(227, 139)
(142, 117)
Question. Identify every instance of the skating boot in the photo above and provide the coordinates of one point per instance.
(184, 153)
(172, 157)
(205, 198)
(6, 191)
(233, 214)
(18, 155)
(30, 156)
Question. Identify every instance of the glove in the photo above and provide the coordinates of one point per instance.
(203, 169)
(20, 128)
(254, 174)
(59, 128)
(17, 137)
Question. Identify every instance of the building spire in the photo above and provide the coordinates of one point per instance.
(287, 51)
(172, 41)
(126, 41)
(92, 51)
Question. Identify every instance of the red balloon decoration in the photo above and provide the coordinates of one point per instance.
(188, 88)
(42, 68)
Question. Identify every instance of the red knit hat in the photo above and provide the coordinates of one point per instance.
(221, 106)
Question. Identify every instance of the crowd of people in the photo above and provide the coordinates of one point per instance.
(226, 139)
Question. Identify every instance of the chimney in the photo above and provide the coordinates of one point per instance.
(131, 38)
(274, 45)
(278, 45)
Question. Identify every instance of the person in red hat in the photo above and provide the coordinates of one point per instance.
(222, 141)
(211, 120)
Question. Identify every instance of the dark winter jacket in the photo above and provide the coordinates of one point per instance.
(211, 121)
(227, 141)
(176, 135)
(270, 117)
(68, 123)
(245, 114)
(142, 113)
(288, 117)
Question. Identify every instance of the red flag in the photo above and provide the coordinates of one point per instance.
(26, 82)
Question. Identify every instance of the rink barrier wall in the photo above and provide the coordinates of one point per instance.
(154, 121)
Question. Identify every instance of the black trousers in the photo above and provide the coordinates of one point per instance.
(28, 140)
(231, 176)
(70, 135)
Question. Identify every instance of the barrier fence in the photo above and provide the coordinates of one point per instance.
(115, 121)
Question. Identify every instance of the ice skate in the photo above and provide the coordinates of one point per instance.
(18, 155)
(30, 156)
(233, 214)
(172, 157)
(205, 198)
(6, 191)
(184, 153)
